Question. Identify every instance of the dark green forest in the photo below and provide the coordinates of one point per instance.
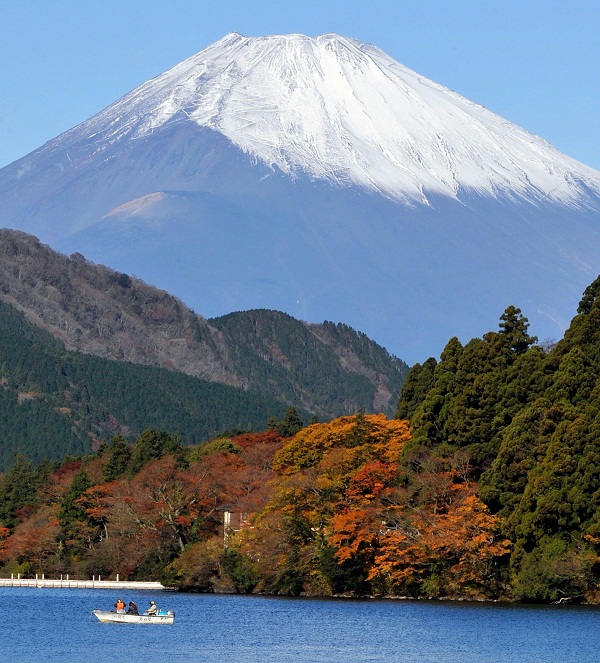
(56, 403)
(327, 369)
(528, 419)
(307, 368)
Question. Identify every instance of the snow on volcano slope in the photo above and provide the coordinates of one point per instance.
(320, 177)
(339, 110)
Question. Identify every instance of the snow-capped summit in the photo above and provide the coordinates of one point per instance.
(320, 177)
(339, 110)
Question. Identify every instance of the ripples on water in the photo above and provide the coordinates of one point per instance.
(56, 625)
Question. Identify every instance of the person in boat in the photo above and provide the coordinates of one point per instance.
(153, 609)
(132, 609)
(120, 606)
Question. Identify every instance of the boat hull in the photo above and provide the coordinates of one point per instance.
(124, 618)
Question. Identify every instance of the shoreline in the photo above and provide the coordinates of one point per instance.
(97, 583)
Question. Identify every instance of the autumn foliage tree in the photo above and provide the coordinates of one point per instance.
(428, 534)
(351, 513)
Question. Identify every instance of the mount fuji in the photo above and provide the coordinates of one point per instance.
(319, 177)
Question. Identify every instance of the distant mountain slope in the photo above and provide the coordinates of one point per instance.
(55, 403)
(326, 369)
(325, 363)
(319, 177)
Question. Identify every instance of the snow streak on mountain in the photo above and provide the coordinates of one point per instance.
(320, 177)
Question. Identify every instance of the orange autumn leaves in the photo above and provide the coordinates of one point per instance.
(139, 523)
(374, 433)
(344, 507)
(412, 527)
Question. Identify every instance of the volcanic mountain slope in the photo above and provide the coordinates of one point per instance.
(321, 178)
(325, 369)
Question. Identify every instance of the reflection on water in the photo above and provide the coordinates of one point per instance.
(57, 625)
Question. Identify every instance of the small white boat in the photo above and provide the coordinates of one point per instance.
(163, 617)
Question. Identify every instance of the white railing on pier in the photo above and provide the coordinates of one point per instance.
(64, 581)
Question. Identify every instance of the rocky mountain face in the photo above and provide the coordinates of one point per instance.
(321, 178)
(324, 368)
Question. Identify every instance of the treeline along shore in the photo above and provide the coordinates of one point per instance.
(484, 486)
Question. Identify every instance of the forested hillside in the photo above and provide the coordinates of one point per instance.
(330, 364)
(326, 369)
(528, 419)
(487, 486)
(55, 403)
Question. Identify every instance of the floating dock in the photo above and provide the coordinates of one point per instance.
(94, 583)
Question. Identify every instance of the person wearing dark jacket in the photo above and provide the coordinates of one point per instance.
(132, 609)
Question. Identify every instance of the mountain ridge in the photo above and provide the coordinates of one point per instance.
(325, 369)
(57, 403)
(235, 194)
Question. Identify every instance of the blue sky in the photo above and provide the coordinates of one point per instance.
(534, 62)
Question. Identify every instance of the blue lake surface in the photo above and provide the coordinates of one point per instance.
(57, 625)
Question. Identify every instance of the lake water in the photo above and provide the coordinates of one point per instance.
(57, 625)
